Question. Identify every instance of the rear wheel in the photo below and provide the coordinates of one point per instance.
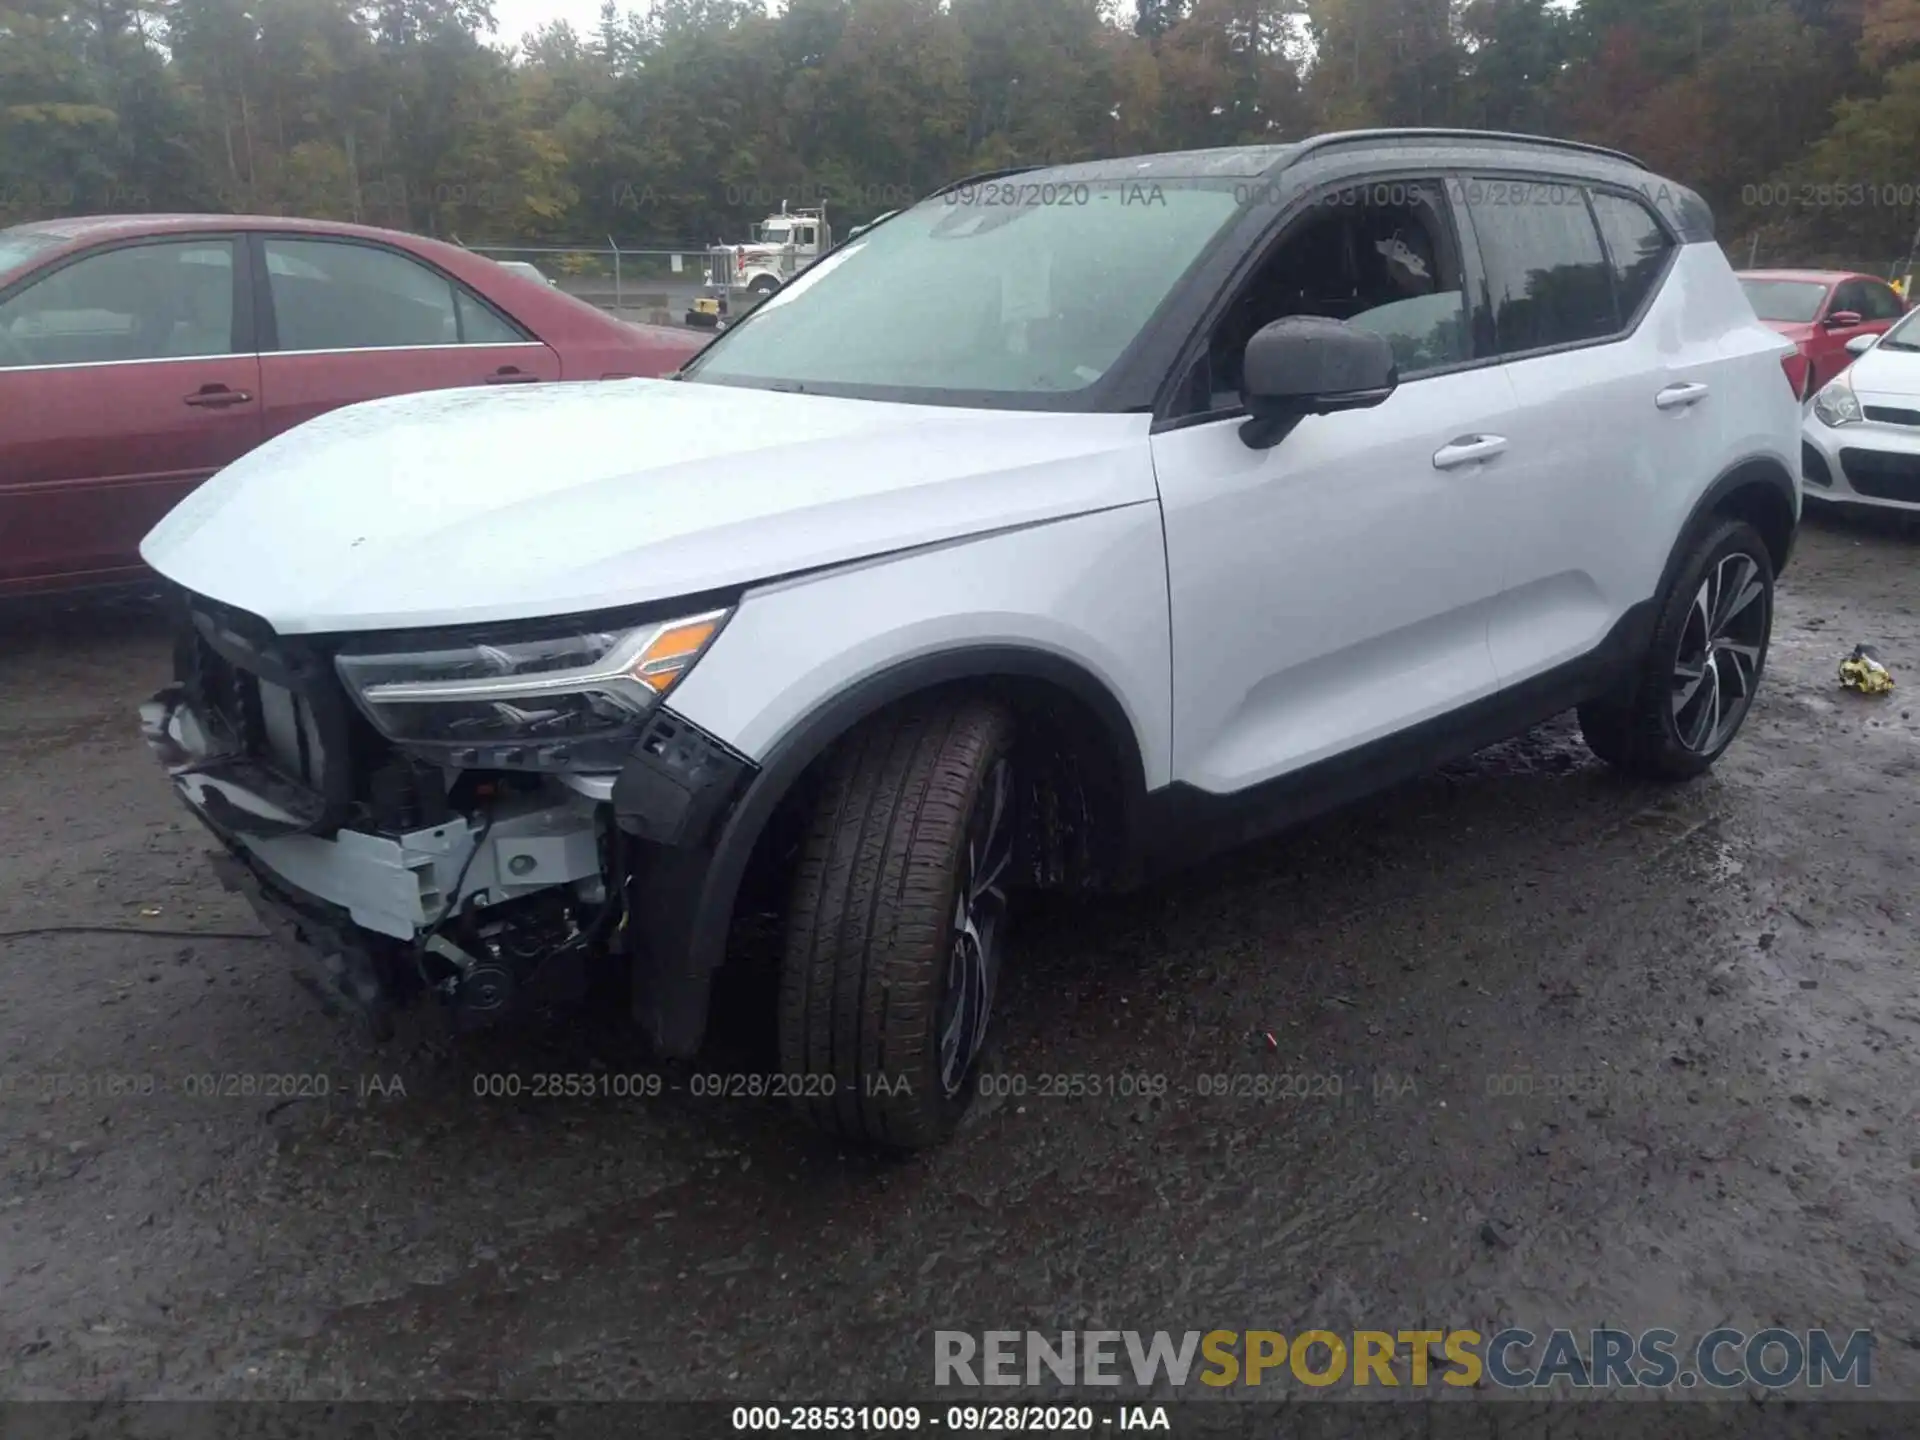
(1703, 667)
(897, 926)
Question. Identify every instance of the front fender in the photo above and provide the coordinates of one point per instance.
(1079, 604)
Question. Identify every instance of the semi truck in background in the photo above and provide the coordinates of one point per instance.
(782, 246)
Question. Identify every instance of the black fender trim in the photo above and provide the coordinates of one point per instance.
(682, 895)
(1766, 472)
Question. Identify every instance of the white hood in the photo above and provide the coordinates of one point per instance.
(1891, 375)
(462, 505)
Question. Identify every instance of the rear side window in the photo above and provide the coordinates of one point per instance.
(337, 295)
(1637, 249)
(1548, 282)
(480, 326)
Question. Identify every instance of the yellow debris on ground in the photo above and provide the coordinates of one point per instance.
(1863, 671)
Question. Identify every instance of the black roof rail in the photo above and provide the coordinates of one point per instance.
(982, 178)
(1496, 137)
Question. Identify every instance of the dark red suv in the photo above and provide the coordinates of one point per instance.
(139, 354)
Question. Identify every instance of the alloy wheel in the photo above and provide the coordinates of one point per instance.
(979, 920)
(1717, 666)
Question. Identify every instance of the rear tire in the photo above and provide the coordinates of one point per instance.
(1708, 653)
(897, 924)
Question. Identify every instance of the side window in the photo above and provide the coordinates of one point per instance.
(1637, 248)
(1547, 278)
(1381, 256)
(140, 302)
(480, 326)
(1849, 295)
(336, 295)
(1880, 302)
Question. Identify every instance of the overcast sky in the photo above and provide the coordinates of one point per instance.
(517, 17)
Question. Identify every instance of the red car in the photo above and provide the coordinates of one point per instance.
(1820, 310)
(139, 354)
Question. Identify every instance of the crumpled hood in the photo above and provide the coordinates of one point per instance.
(491, 504)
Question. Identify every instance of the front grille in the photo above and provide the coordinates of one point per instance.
(1893, 415)
(226, 695)
(1813, 466)
(1882, 475)
(272, 704)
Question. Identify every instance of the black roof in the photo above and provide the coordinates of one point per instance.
(1247, 161)
(1451, 148)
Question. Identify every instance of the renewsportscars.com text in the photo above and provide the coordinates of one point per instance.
(1512, 1359)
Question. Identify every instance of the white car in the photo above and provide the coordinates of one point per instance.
(1204, 492)
(1861, 435)
(528, 270)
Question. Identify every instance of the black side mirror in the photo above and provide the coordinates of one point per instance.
(1306, 365)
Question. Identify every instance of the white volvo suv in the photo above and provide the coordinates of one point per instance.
(1068, 525)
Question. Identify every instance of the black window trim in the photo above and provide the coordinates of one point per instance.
(1270, 239)
(1587, 188)
(241, 330)
(269, 322)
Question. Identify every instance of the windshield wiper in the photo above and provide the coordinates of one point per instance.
(1896, 345)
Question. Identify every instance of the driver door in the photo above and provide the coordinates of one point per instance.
(1334, 590)
(1830, 353)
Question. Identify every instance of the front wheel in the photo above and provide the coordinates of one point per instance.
(897, 927)
(1703, 667)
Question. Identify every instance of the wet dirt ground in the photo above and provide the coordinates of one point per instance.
(1537, 1046)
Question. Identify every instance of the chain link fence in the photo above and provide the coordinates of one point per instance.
(652, 286)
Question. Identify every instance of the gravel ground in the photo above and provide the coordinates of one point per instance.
(1708, 991)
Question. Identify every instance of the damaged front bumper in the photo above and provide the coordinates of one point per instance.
(369, 906)
(492, 906)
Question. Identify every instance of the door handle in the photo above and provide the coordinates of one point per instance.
(1678, 397)
(511, 375)
(1468, 450)
(215, 396)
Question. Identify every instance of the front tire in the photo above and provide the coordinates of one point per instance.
(897, 924)
(1701, 671)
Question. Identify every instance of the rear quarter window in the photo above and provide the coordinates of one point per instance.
(1548, 279)
(1637, 249)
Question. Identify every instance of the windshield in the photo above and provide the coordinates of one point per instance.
(1904, 335)
(1792, 302)
(1010, 292)
(16, 248)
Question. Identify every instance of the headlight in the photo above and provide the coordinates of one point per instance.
(567, 697)
(1836, 404)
